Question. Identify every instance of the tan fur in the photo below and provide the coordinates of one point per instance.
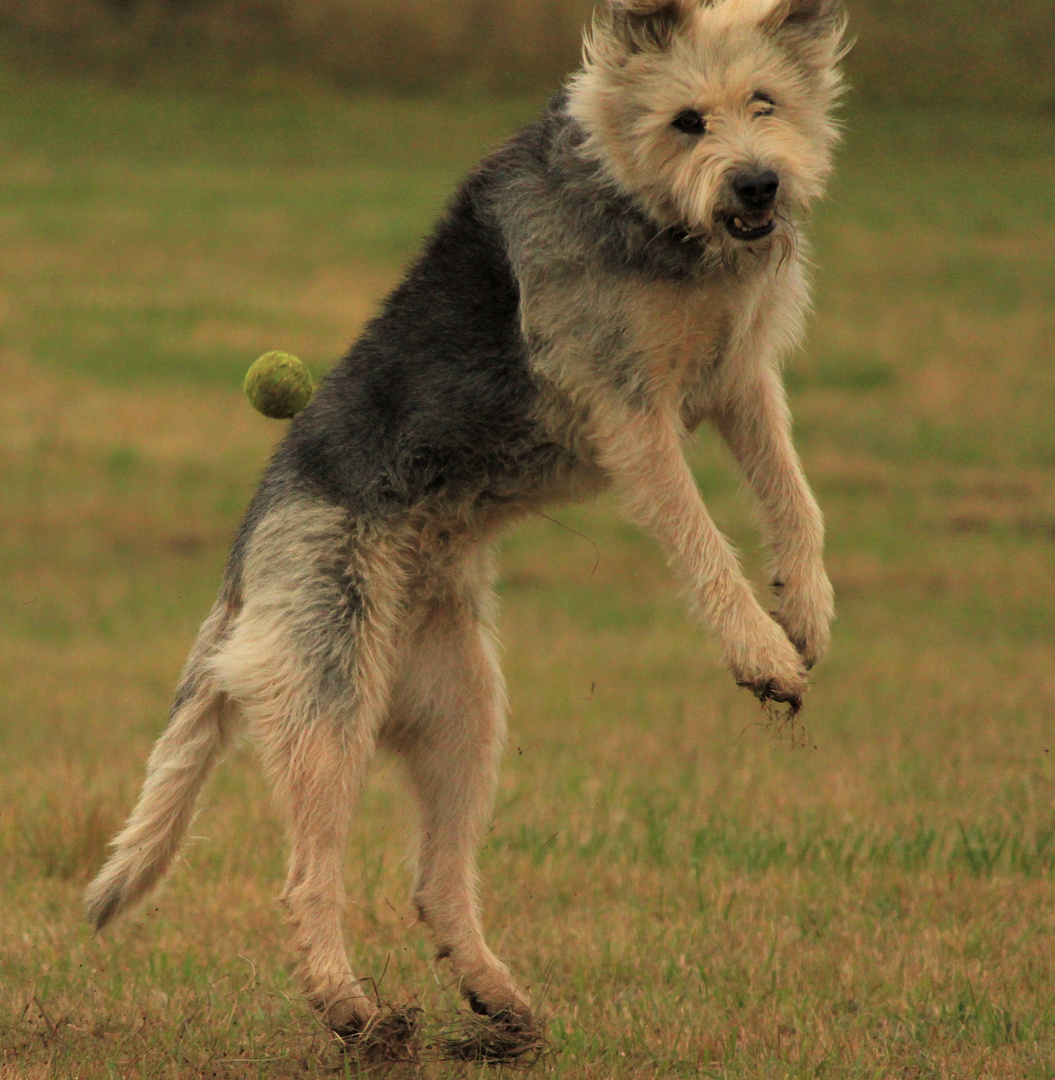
(625, 103)
(448, 723)
(180, 763)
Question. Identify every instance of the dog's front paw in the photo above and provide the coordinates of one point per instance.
(768, 664)
(805, 611)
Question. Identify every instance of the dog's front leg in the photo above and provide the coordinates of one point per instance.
(756, 425)
(641, 453)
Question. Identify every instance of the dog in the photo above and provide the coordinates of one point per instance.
(620, 271)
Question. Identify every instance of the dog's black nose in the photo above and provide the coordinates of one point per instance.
(756, 190)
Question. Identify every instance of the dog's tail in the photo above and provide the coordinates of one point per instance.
(181, 761)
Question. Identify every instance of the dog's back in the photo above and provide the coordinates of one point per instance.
(436, 399)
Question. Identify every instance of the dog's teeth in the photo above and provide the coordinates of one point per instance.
(738, 223)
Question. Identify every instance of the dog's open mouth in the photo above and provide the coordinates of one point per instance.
(750, 226)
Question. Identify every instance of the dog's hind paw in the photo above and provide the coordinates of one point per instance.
(389, 1035)
(504, 1037)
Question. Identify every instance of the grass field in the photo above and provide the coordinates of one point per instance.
(686, 894)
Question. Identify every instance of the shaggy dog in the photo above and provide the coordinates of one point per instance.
(620, 271)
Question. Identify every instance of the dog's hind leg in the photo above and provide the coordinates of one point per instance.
(449, 726)
(316, 776)
(309, 662)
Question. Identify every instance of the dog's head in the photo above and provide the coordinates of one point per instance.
(716, 116)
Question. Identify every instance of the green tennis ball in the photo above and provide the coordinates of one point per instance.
(278, 385)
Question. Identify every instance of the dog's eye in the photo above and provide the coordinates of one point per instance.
(690, 121)
(766, 104)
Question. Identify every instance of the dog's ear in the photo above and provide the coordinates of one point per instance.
(643, 25)
(813, 17)
(812, 29)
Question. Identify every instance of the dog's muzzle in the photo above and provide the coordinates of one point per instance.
(756, 195)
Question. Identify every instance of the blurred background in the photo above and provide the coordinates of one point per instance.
(925, 51)
(186, 184)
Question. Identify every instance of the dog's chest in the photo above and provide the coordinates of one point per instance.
(655, 343)
(676, 335)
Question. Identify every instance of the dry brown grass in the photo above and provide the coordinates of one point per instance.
(685, 889)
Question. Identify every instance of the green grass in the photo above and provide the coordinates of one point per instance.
(686, 894)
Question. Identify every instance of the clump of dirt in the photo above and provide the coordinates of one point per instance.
(782, 722)
(781, 712)
(388, 1036)
(502, 1038)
